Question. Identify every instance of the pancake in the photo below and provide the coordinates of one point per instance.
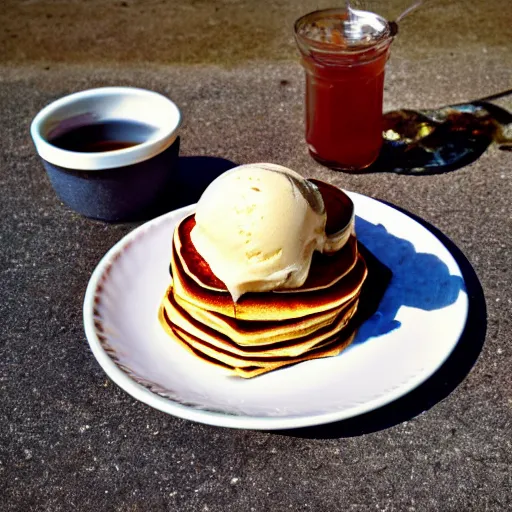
(331, 348)
(325, 270)
(268, 306)
(338, 206)
(176, 316)
(265, 331)
(243, 361)
(247, 333)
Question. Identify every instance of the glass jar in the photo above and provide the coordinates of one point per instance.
(344, 60)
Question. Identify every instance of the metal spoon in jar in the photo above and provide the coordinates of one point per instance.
(393, 25)
(351, 26)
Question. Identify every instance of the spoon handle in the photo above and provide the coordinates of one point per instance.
(408, 11)
(348, 10)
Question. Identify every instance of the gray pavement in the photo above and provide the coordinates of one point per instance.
(227, 32)
(71, 440)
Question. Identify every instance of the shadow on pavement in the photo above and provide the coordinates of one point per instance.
(442, 140)
(439, 385)
(193, 175)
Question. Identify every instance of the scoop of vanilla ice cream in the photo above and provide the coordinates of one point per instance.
(257, 226)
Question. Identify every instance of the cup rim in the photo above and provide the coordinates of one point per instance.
(96, 161)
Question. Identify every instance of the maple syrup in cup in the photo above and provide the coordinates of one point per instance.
(344, 54)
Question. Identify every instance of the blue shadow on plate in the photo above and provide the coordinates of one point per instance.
(413, 274)
(419, 280)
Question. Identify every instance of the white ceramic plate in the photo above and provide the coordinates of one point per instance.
(418, 324)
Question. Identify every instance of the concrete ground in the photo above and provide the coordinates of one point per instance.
(70, 439)
(224, 32)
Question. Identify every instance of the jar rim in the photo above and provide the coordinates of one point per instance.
(305, 43)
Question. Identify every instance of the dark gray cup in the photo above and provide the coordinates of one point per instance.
(111, 185)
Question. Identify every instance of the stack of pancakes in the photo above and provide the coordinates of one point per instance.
(265, 331)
